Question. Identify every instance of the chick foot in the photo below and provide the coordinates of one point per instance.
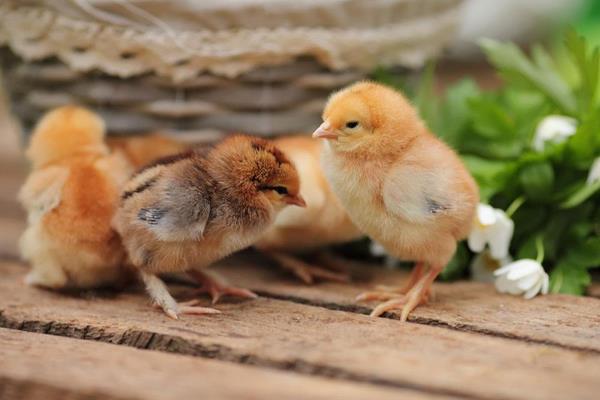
(417, 295)
(384, 293)
(161, 298)
(306, 272)
(216, 289)
(174, 309)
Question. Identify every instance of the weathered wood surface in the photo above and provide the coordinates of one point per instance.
(314, 341)
(560, 320)
(36, 366)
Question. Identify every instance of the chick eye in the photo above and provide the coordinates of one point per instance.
(281, 190)
(352, 124)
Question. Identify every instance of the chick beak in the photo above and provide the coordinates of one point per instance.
(325, 131)
(295, 200)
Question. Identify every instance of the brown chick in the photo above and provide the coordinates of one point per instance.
(400, 184)
(70, 197)
(142, 150)
(187, 211)
(298, 231)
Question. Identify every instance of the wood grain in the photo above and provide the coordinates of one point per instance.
(313, 341)
(559, 320)
(36, 366)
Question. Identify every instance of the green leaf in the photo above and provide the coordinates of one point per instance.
(569, 279)
(490, 120)
(587, 63)
(492, 176)
(537, 179)
(571, 274)
(518, 70)
(582, 194)
(491, 149)
(455, 111)
(583, 147)
(585, 254)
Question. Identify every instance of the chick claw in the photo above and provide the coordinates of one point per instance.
(379, 295)
(418, 294)
(406, 303)
(186, 307)
(217, 289)
(384, 293)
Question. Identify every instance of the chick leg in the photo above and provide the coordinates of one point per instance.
(387, 293)
(306, 272)
(333, 262)
(160, 295)
(216, 288)
(415, 296)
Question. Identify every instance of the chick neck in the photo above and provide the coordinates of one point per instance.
(241, 194)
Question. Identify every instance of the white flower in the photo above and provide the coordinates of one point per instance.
(594, 174)
(484, 265)
(492, 227)
(553, 128)
(526, 277)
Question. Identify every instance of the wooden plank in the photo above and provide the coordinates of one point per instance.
(77, 368)
(36, 366)
(560, 320)
(313, 340)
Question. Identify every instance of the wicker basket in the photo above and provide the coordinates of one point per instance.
(212, 67)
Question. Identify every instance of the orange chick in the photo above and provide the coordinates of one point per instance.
(142, 150)
(401, 185)
(70, 197)
(298, 231)
(185, 212)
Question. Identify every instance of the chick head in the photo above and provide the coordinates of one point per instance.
(366, 115)
(256, 166)
(65, 132)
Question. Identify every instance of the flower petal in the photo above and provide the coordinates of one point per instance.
(555, 128)
(528, 281)
(522, 268)
(504, 270)
(486, 215)
(502, 284)
(535, 289)
(500, 235)
(476, 240)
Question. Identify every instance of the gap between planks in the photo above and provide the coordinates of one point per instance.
(314, 341)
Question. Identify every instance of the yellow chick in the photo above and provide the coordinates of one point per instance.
(400, 184)
(297, 231)
(70, 197)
